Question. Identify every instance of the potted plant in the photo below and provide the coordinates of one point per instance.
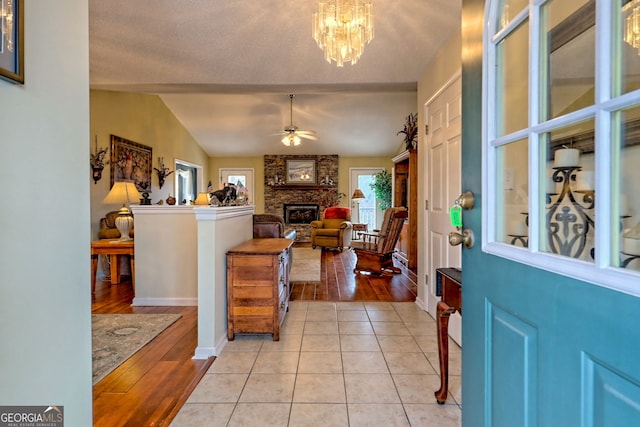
(410, 131)
(381, 186)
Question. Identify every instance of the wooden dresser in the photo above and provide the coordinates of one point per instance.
(258, 286)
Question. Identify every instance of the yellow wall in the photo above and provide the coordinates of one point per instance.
(257, 164)
(144, 119)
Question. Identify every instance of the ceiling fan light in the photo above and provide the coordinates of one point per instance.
(291, 140)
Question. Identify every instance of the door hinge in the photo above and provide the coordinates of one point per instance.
(426, 205)
(426, 279)
(426, 129)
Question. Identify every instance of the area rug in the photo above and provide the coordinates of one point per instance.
(117, 337)
(306, 265)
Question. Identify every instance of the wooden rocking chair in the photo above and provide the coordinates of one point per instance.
(375, 252)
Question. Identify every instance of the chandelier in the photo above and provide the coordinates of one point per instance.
(632, 24)
(342, 28)
(6, 23)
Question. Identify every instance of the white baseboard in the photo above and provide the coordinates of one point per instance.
(207, 352)
(164, 301)
(421, 304)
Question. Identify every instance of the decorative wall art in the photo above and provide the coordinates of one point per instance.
(12, 40)
(301, 171)
(131, 161)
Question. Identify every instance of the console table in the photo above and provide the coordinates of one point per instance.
(114, 248)
(258, 286)
(449, 286)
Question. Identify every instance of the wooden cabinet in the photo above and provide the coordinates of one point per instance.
(258, 286)
(405, 193)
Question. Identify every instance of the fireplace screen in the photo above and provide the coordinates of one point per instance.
(300, 213)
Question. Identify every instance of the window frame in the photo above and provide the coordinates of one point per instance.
(600, 272)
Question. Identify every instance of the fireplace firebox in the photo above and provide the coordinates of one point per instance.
(300, 213)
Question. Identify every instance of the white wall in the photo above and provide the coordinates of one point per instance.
(45, 296)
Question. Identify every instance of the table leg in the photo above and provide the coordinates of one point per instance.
(442, 315)
(132, 263)
(94, 271)
(115, 269)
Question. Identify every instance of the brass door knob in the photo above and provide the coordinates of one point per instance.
(465, 238)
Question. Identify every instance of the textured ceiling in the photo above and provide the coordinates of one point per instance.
(226, 67)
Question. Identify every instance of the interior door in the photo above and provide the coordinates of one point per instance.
(443, 184)
(540, 348)
(242, 178)
(364, 211)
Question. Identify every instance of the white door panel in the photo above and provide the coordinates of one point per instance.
(443, 187)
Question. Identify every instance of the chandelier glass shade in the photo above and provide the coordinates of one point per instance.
(632, 24)
(342, 28)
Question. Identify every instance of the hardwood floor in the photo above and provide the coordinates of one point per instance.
(150, 388)
(339, 283)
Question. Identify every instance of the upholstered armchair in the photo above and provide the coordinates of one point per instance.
(108, 228)
(333, 230)
(267, 226)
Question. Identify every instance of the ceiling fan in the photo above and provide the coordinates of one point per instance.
(291, 133)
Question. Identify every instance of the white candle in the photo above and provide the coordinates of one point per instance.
(518, 228)
(585, 181)
(624, 204)
(566, 157)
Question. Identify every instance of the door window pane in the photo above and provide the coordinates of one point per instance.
(629, 44)
(570, 33)
(513, 181)
(569, 202)
(626, 219)
(509, 9)
(512, 83)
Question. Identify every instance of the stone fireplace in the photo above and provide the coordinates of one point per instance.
(300, 213)
(277, 196)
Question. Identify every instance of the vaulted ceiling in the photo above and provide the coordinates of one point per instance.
(225, 68)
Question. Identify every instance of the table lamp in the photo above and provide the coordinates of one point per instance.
(123, 192)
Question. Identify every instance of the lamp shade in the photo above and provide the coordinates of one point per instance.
(358, 195)
(122, 192)
(202, 199)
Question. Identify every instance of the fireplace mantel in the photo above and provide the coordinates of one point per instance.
(302, 187)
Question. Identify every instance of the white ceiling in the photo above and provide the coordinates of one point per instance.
(225, 68)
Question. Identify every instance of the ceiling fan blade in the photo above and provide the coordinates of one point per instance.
(307, 136)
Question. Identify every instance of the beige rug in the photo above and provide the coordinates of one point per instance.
(117, 337)
(306, 265)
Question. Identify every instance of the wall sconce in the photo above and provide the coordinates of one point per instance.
(163, 172)
(97, 162)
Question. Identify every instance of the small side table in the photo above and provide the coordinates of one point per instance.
(358, 228)
(449, 286)
(114, 248)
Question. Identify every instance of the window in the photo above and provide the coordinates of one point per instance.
(562, 138)
(188, 181)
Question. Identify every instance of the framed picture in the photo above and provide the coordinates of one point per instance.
(12, 40)
(131, 161)
(301, 171)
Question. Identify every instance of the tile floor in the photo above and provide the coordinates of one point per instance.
(336, 364)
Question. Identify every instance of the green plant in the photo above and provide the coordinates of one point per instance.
(381, 186)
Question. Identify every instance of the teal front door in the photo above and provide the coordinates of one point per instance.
(551, 332)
